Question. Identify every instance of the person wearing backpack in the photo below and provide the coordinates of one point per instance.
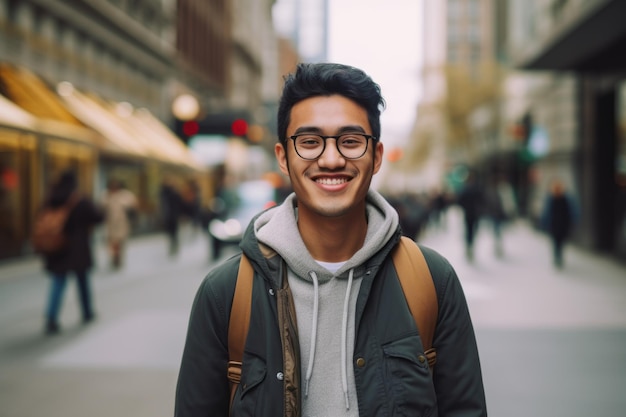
(76, 254)
(330, 328)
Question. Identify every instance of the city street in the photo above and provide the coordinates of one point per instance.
(552, 343)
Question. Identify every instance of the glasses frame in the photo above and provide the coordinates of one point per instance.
(336, 137)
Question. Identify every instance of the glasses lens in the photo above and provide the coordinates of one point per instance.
(352, 145)
(309, 146)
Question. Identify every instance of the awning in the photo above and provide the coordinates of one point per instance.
(135, 131)
(593, 38)
(165, 138)
(13, 116)
(32, 94)
(118, 139)
(157, 137)
(33, 107)
(114, 128)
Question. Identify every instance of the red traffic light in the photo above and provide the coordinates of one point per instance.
(191, 128)
(239, 127)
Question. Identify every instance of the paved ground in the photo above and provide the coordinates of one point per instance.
(552, 343)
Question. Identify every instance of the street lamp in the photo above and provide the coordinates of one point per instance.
(185, 107)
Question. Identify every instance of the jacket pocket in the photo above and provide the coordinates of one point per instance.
(408, 379)
(246, 399)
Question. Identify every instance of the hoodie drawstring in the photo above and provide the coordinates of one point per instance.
(344, 337)
(309, 369)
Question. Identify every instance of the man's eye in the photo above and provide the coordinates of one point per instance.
(352, 140)
(309, 141)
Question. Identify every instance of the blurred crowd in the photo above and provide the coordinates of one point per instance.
(487, 204)
(65, 223)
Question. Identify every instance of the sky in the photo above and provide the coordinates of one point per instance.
(382, 37)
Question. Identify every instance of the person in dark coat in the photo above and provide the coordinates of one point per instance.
(77, 256)
(471, 199)
(171, 206)
(558, 218)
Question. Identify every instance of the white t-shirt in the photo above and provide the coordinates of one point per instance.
(331, 266)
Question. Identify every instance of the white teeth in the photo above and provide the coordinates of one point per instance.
(331, 181)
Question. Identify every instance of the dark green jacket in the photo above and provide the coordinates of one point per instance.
(390, 379)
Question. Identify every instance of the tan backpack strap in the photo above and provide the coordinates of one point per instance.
(419, 291)
(239, 322)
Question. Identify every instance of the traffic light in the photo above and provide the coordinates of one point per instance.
(239, 127)
(190, 128)
(228, 123)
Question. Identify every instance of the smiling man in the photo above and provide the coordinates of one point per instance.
(330, 330)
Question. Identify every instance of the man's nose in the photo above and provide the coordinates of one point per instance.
(331, 157)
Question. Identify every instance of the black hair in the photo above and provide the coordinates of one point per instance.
(62, 189)
(325, 79)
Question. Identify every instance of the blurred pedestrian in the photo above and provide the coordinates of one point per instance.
(76, 257)
(558, 217)
(500, 208)
(330, 331)
(119, 203)
(471, 199)
(438, 204)
(191, 203)
(171, 205)
(412, 213)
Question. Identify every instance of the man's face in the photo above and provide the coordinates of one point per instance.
(330, 186)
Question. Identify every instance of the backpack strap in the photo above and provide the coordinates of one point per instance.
(239, 322)
(419, 291)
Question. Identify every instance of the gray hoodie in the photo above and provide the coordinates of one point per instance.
(325, 301)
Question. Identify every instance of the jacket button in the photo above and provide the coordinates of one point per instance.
(360, 362)
(271, 291)
(280, 376)
(421, 358)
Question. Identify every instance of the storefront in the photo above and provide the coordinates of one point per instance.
(45, 130)
(587, 44)
(32, 154)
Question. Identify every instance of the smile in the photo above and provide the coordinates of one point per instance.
(331, 181)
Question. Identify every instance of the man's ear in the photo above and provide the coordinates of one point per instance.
(281, 157)
(378, 156)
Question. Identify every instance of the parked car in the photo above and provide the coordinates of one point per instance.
(236, 207)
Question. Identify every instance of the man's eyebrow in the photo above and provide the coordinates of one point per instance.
(317, 130)
(353, 128)
(307, 129)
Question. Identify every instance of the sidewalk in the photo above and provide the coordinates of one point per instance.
(524, 288)
(552, 342)
(123, 364)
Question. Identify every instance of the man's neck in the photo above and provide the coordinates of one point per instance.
(333, 239)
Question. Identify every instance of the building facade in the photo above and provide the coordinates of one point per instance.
(458, 118)
(575, 49)
(93, 83)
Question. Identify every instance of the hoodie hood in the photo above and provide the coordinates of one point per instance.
(278, 229)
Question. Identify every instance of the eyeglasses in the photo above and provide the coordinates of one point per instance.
(310, 146)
